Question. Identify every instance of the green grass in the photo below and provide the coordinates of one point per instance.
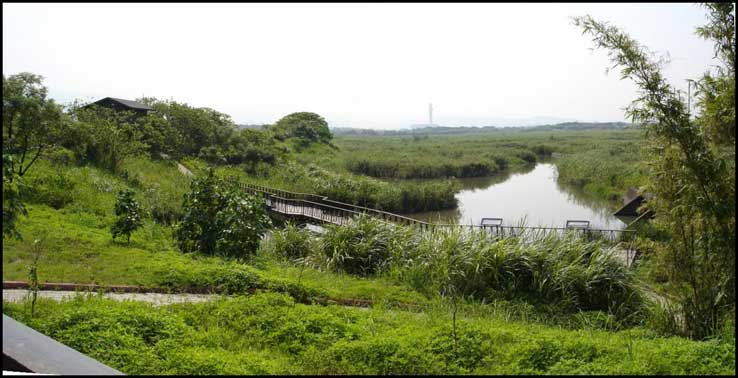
(566, 272)
(78, 248)
(270, 334)
(605, 173)
(71, 211)
(354, 189)
(603, 163)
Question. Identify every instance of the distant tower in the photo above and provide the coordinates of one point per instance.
(430, 114)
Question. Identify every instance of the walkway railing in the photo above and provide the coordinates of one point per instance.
(321, 209)
(26, 350)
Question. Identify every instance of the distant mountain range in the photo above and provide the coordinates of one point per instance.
(425, 129)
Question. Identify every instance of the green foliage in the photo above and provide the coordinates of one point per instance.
(32, 123)
(128, 212)
(363, 191)
(180, 130)
(270, 334)
(571, 273)
(602, 163)
(442, 157)
(33, 286)
(106, 136)
(54, 189)
(692, 175)
(306, 127)
(13, 205)
(395, 169)
(567, 271)
(605, 173)
(528, 157)
(221, 220)
(291, 243)
(543, 150)
(716, 92)
(362, 247)
(160, 185)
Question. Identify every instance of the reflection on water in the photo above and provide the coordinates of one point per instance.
(533, 195)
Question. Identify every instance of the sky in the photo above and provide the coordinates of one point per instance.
(357, 65)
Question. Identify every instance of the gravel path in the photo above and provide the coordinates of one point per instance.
(184, 170)
(17, 295)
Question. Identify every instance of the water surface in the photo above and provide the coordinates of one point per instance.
(533, 195)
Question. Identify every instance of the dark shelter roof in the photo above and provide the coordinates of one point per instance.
(126, 103)
(630, 209)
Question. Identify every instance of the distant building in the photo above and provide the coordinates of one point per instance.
(119, 104)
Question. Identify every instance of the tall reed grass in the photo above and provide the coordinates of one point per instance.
(571, 272)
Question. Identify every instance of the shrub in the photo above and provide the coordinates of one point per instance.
(574, 274)
(361, 247)
(543, 150)
(128, 212)
(500, 161)
(12, 204)
(62, 156)
(219, 219)
(55, 190)
(292, 243)
(368, 192)
(527, 156)
(223, 279)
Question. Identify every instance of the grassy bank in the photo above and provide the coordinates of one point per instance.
(349, 188)
(606, 172)
(603, 163)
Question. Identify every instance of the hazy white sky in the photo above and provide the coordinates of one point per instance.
(358, 65)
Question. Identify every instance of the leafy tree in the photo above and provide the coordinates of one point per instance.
(252, 147)
(693, 171)
(32, 122)
(306, 126)
(181, 130)
(159, 135)
(108, 136)
(220, 219)
(12, 204)
(716, 92)
(128, 212)
(196, 128)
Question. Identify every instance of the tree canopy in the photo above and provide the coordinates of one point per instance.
(32, 122)
(306, 126)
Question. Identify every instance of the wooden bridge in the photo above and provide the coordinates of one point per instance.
(313, 208)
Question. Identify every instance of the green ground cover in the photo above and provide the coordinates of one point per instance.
(604, 163)
(522, 308)
(78, 248)
(270, 334)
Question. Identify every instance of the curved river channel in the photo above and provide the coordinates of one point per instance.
(533, 195)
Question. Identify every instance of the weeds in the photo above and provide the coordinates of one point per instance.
(270, 334)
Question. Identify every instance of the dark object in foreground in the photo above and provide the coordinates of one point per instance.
(27, 350)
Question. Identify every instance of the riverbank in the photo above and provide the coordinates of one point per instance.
(532, 195)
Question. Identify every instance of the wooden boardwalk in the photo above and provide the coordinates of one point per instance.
(316, 209)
